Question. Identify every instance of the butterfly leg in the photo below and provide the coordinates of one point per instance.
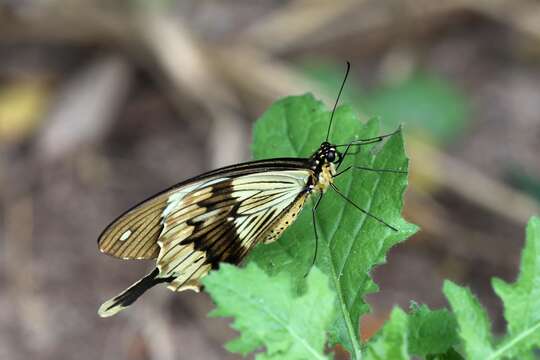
(343, 156)
(343, 171)
(313, 210)
(360, 209)
(370, 169)
(381, 170)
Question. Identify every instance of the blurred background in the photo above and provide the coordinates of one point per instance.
(103, 103)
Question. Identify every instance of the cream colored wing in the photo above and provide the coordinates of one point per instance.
(221, 219)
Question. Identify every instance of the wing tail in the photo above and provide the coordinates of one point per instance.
(128, 296)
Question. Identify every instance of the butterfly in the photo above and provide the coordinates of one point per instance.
(221, 215)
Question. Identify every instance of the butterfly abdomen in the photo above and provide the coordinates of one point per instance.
(282, 223)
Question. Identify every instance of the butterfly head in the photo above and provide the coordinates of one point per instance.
(323, 163)
(327, 153)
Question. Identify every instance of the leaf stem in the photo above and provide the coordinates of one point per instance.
(514, 341)
(356, 353)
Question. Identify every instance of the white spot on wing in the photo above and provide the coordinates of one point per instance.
(125, 235)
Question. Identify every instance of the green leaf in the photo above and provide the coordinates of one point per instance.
(424, 102)
(474, 325)
(451, 354)
(350, 243)
(391, 341)
(521, 309)
(522, 299)
(268, 313)
(431, 332)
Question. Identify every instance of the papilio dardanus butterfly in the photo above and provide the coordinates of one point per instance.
(220, 216)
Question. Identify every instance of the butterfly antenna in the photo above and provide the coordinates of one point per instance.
(337, 99)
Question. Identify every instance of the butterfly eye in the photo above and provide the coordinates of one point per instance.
(331, 156)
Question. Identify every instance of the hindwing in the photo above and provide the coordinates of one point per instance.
(221, 220)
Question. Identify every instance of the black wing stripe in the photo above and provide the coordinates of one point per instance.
(257, 222)
(217, 252)
(223, 232)
(203, 229)
(228, 200)
(215, 233)
(217, 236)
(196, 220)
(218, 202)
(235, 241)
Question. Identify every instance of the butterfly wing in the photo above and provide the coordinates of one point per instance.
(195, 225)
(222, 219)
(135, 234)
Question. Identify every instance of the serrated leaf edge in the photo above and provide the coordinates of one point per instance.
(291, 331)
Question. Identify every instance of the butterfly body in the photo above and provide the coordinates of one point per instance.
(215, 217)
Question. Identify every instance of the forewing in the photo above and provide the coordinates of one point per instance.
(221, 220)
(134, 234)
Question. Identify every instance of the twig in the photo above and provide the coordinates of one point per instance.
(293, 23)
(264, 77)
(185, 65)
